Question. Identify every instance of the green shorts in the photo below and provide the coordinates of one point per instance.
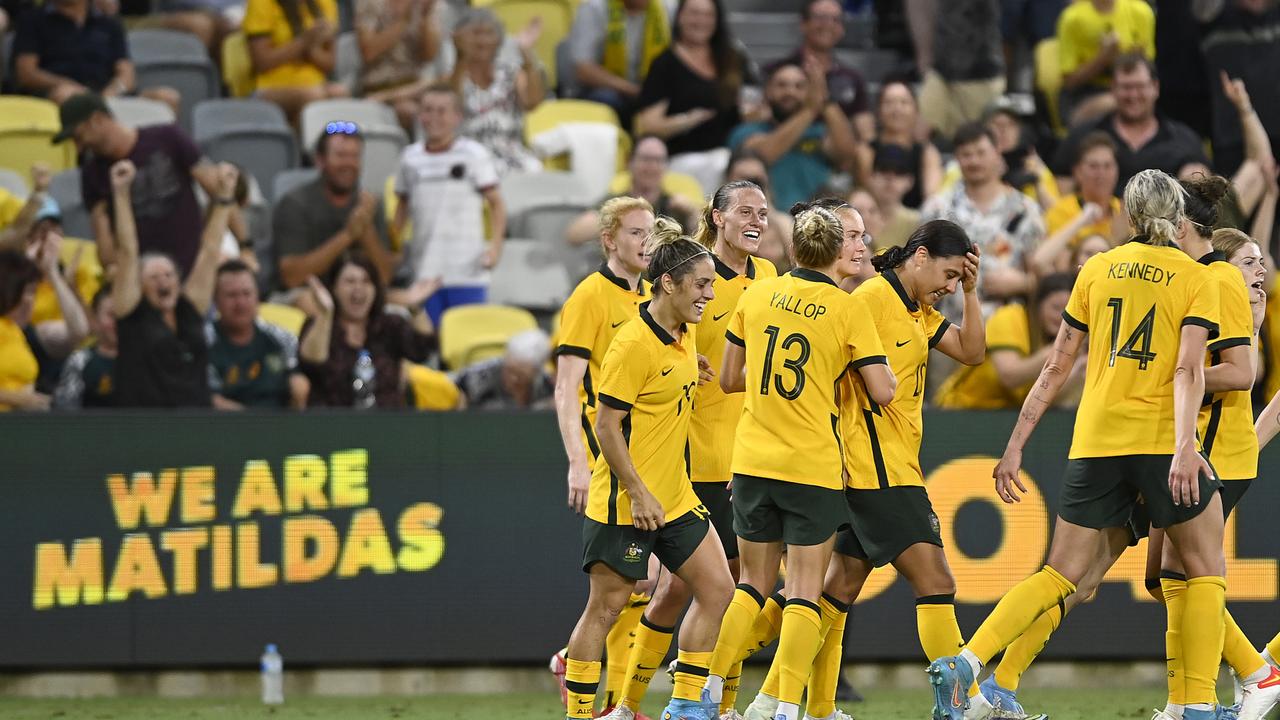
(625, 550)
(1105, 492)
(885, 522)
(715, 497)
(1232, 492)
(767, 510)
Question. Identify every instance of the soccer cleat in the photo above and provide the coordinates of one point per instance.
(837, 715)
(557, 666)
(618, 712)
(1159, 714)
(951, 677)
(1229, 712)
(1261, 696)
(679, 709)
(762, 708)
(1004, 703)
(730, 714)
(1237, 687)
(1193, 714)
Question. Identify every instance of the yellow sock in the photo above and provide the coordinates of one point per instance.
(1238, 651)
(1174, 588)
(582, 677)
(735, 627)
(732, 682)
(826, 666)
(617, 648)
(766, 627)
(827, 612)
(1017, 610)
(797, 646)
(936, 624)
(651, 645)
(691, 674)
(1023, 651)
(1203, 624)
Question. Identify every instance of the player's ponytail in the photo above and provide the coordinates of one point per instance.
(719, 200)
(816, 236)
(940, 238)
(670, 252)
(1156, 204)
(1204, 201)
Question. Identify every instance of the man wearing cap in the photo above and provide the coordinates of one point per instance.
(68, 47)
(163, 197)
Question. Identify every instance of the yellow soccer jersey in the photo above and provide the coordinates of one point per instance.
(592, 315)
(1226, 423)
(882, 444)
(979, 387)
(652, 376)
(800, 332)
(715, 417)
(1134, 301)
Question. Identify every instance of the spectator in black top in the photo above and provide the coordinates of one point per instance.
(88, 377)
(822, 29)
(691, 96)
(166, 162)
(1143, 138)
(252, 363)
(67, 48)
(898, 124)
(163, 358)
(1242, 39)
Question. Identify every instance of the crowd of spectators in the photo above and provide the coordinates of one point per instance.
(1020, 121)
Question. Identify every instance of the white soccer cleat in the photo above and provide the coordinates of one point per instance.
(762, 708)
(731, 714)
(837, 715)
(1260, 697)
(979, 708)
(1159, 714)
(620, 712)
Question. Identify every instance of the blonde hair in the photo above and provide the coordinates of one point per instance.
(817, 237)
(670, 252)
(1229, 241)
(1156, 204)
(614, 209)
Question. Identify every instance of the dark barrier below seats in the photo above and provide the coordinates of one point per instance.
(157, 540)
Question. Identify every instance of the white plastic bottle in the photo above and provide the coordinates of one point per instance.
(272, 676)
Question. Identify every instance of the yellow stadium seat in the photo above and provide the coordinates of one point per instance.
(551, 113)
(557, 16)
(27, 125)
(471, 333)
(89, 269)
(237, 66)
(284, 316)
(431, 389)
(1049, 80)
(673, 183)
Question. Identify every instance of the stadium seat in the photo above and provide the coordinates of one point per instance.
(65, 188)
(859, 31)
(430, 389)
(237, 66)
(347, 62)
(522, 191)
(557, 17)
(673, 183)
(552, 113)
(1049, 80)
(139, 112)
(27, 125)
(874, 64)
(284, 316)
(529, 275)
(471, 333)
(14, 182)
(768, 36)
(250, 133)
(177, 60)
(384, 139)
(287, 180)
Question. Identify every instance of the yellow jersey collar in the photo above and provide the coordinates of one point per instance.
(729, 273)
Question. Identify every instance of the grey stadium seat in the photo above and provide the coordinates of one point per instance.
(177, 60)
(530, 276)
(250, 133)
(65, 188)
(139, 112)
(289, 179)
(13, 182)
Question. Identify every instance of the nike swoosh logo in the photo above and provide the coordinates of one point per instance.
(1272, 680)
(900, 344)
(614, 325)
(668, 371)
(957, 696)
(716, 318)
(586, 702)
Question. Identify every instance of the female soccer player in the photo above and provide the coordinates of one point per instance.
(790, 339)
(641, 500)
(892, 520)
(1153, 309)
(1231, 368)
(592, 315)
(733, 222)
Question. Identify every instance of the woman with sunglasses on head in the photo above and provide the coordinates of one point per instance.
(641, 501)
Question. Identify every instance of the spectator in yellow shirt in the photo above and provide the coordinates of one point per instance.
(1091, 35)
(1093, 209)
(1019, 341)
(291, 44)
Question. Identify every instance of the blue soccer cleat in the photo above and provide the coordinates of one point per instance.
(951, 678)
(1004, 703)
(1229, 712)
(687, 710)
